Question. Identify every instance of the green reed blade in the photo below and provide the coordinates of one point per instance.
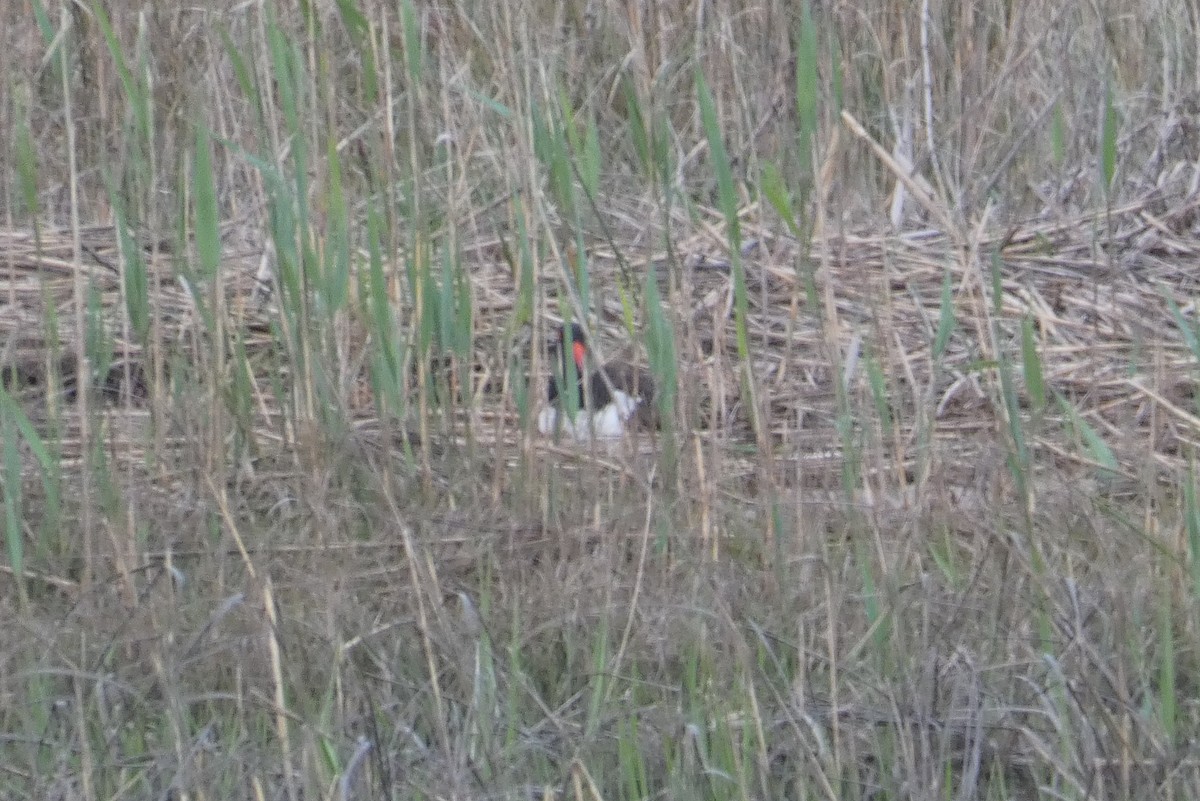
(777, 195)
(335, 266)
(208, 223)
(1098, 450)
(25, 156)
(1035, 384)
(727, 195)
(11, 497)
(1110, 124)
(946, 318)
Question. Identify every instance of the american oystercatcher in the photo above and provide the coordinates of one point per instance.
(609, 401)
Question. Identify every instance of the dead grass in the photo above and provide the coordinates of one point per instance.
(932, 538)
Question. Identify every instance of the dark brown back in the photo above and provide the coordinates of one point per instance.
(634, 381)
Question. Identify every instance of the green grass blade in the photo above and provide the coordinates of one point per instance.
(447, 297)
(136, 281)
(837, 77)
(550, 147)
(589, 158)
(583, 137)
(464, 312)
(1058, 134)
(636, 125)
(136, 93)
(777, 195)
(807, 91)
(599, 681)
(1167, 698)
(631, 761)
(1187, 330)
(14, 423)
(356, 24)
(719, 158)
(660, 345)
(208, 223)
(1019, 455)
(946, 319)
(1109, 126)
(10, 408)
(664, 365)
(879, 394)
(663, 159)
(1097, 448)
(386, 380)
(241, 390)
(99, 343)
(335, 266)
(25, 156)
(727, 195)
(413, 41)
(43, 23)
(1035, 384)
(1191, 509)
(11, 497)
(523, 262)
(283, 71)
(245, 78)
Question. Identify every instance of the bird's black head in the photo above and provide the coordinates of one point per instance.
(577, 348)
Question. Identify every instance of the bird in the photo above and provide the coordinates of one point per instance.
(609, 401)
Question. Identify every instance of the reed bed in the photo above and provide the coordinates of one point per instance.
(1107, 328)
(278, 286)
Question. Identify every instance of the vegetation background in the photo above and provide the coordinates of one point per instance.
(919, 281)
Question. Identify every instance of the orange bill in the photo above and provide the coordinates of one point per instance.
(579, 356)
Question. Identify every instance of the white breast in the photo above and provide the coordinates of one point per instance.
(606, 423)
